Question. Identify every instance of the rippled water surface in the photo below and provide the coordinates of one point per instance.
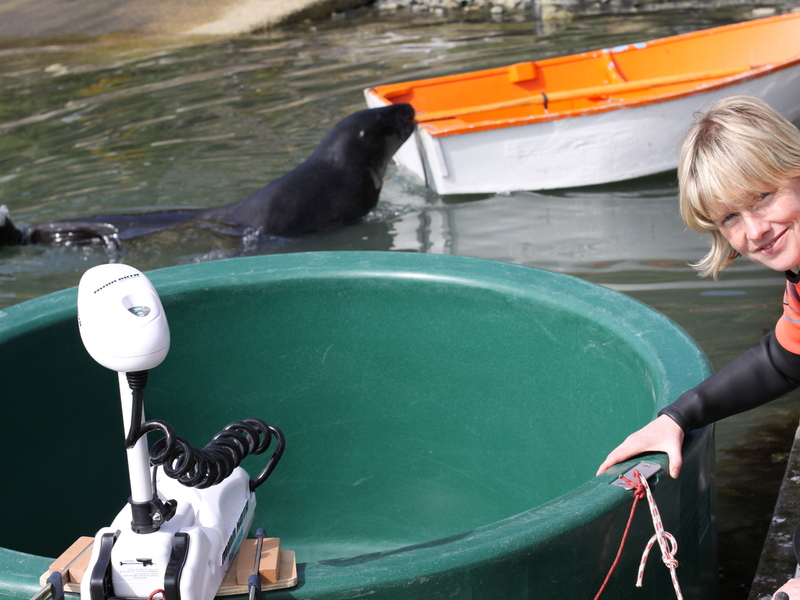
(97, 126)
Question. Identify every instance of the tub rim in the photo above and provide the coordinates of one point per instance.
(632, 320)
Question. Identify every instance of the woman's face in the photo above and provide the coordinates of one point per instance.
(767, 230)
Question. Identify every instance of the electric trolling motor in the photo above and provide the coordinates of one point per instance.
(184, 521)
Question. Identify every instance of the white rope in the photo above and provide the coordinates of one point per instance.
(667, 543)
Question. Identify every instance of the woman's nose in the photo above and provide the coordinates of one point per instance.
(755, 225)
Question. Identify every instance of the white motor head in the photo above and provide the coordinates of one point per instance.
(121, 320)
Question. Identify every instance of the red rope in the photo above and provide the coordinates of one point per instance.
(638, 494)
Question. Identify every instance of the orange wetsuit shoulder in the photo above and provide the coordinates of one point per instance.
(787, 331)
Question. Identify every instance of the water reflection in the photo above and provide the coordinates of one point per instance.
(580, 231)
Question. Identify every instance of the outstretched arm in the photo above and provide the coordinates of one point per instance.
(756, 377)
(761, 374)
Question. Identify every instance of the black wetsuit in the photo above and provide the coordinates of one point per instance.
(758, 376)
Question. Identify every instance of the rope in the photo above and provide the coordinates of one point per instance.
(665, 540)
(638, 494)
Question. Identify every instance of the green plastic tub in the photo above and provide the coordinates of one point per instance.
(444, 419)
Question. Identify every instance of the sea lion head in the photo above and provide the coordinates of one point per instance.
(368, 138)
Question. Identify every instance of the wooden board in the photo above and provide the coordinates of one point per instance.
(268, 566)
(278, 568)
(287, 577)
(72, 578)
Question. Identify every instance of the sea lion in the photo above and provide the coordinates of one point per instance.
(337, 185)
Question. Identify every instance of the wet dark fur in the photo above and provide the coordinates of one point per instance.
(337, 185)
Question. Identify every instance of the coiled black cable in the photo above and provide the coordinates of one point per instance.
(202, 468)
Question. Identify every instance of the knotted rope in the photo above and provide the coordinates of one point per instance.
(667, 543)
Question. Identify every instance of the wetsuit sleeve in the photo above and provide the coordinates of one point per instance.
(761, 374)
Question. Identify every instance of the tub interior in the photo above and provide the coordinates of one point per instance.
(415, 406)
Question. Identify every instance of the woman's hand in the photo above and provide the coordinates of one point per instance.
(661, 435)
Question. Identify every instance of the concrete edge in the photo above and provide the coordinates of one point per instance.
(778, 563)
(251, 16)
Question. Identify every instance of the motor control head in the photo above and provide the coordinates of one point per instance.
(121, 319)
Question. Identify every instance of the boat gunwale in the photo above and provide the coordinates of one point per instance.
(621, 103)
(441, 128)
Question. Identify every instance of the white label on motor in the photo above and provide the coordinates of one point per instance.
(139, 569)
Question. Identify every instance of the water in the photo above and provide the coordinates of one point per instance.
(94, 126)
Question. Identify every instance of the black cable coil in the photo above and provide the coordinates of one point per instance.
(202, 468)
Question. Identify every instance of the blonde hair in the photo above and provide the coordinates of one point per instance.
(736, 149)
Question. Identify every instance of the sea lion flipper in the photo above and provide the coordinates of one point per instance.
(74, 233)
(9, 234)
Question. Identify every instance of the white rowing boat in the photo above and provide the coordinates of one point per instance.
(591, 118)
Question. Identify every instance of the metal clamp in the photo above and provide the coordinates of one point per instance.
(646, 469)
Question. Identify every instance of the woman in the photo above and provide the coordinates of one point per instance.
(739, 176)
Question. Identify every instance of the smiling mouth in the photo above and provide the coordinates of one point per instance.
(768, 246)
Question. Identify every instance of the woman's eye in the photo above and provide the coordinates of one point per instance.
(763, 196)
(728, 219)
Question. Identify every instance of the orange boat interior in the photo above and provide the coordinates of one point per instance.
(600, 80)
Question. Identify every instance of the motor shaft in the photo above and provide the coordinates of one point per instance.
(254, 581)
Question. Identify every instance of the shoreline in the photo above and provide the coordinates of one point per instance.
(187, 19)
(31, 19)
